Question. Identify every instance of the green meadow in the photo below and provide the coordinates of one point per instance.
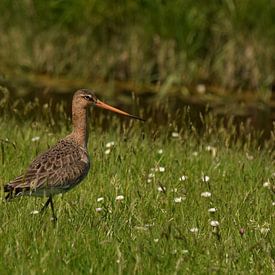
(157, 200)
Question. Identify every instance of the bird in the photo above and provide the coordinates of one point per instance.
(64, 165)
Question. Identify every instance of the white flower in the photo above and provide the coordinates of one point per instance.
(100, 199)
(175, 251)
(266, 184)
(175, 135)
(149, 224)
(151, 175)
(156, 240)
(34, 212)
(107, 152)
(98, 209)
(214, 223)
(35, 139)
(194, 230)
(110, 144)
(161, 188)
(120, 198)
(158, 169)
(179, 199)
(175, 189)
(183, 178)
(201, 88)
(184, 251)
(205, 178)
(160, 151)
(195, 154)
(161, 169)
(212, 150)
(273, 203)
(248, 156)
(212, 210)
(264, 230)
(206, 194)
(149, 180)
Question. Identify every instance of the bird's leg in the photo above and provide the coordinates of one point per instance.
(49, 201)
(54, 218)
(46, 205)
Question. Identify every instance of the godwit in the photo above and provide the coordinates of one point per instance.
(65, 164)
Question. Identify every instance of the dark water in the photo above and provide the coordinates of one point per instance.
(158, 110)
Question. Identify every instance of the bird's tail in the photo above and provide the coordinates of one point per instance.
(13, 191)
(8, 190)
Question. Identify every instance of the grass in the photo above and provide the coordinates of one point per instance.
(147, 232)
(226, 43)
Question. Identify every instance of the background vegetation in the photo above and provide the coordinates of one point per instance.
(189, 191)
(227, 43)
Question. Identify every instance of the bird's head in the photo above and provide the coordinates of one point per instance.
(86, 98)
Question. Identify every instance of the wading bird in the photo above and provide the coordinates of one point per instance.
(65, 164)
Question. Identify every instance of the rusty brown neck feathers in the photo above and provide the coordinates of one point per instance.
(79, 120)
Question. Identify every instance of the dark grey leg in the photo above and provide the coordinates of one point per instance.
(46, 205)
(54, 216)
(49, 201)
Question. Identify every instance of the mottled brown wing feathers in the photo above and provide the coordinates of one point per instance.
(61, 166)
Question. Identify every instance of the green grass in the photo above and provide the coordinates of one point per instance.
(147, 232)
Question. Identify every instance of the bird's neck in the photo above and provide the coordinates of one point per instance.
(80, 131)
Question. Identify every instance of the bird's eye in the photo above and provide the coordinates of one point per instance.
(88, 97)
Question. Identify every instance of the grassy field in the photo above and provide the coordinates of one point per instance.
(192, 203)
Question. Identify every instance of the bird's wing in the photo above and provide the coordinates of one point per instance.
(63, 165)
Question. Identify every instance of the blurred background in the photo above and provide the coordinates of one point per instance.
(152, 56)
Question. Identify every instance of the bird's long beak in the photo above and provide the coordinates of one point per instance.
(103, 105)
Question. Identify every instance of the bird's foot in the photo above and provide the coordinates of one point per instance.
(54, 219)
